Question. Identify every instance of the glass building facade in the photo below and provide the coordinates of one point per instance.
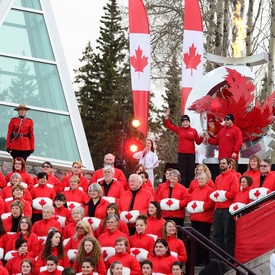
(33, 71)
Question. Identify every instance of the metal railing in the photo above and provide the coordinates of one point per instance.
(192, 236)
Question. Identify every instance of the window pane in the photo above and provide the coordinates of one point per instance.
(24, 33)
(54, 137)
(32, 4)
(33, 83)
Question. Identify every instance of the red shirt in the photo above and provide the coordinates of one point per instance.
(27, 207)
(115, 190)
(255, 175)
(243, 195)
(100, 211)
(177, 246)
(154, 226)
(122, 226)
(109, 238)
(64, 212)
(77, 196)
(83, 182)
(7, 193)
(42, 227)
(163, 264)
(186, 137)
(142, 241)
(26, 178)
(57, 185)
(195, 184)
(13, 265)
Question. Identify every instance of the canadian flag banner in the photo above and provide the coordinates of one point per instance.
(140, 61)
(192, 61)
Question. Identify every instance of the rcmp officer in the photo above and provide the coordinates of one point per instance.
(20, 136)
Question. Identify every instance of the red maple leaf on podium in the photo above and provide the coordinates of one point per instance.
(139, 62)
(42, 202)
(194, 205)
(169, 203)
(128, 216)
(257, 193)
(136, 252)
(192, 59)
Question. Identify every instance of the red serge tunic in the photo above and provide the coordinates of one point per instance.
(186, 137)
(118, 175)
(180, 193)
(202, 194)
(100, 267)
(143, 241)
(127, 260)
(25, 178)
(83, 182)
(163, 264)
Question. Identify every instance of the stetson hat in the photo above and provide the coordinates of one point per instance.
(21, 106)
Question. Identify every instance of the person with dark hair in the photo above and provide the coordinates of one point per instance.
(76, 171)
(229, 139)
(52, 181)
(112, 208)
(11, 222)
(148, 158)
(155, 221)
(24, 230)
(162, 259)
(68, 271)
(88, 266)
(187, 137)
(19, 166)
(53, 246)
(13, 265)
(116, 268)
(41, 193)
(121, 255)
(26, 267)
(141, 241)
(177, 268)
(20, 135)
(146, 267)
(145, 177)
(89, 247)
(52, 264)
(61, 211)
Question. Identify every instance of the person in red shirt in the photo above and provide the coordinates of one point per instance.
(52, 266)
(11, 222)
(253, 170)
(187, 137)
(20, 135)
(242, 196)
(90, 248)
(26, 267)
(61, 210)
(53, 246)
(19, 166)
(109, 159)
(145, 178)
(201, 209)
(2, 181)
(52, 181)
(4, 237)
(88, 266)
(121, 255)
(116, 268)
(76, 171)
(146, 267)
(13, 265)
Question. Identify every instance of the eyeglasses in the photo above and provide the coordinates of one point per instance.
(263, 165)
(46, 166)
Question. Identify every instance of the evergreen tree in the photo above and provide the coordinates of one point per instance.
(105, 87)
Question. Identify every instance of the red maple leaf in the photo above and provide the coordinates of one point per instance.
(257, 193)
(192, 59)
(194, 205)
(139, 62)
(169, 203)
(216, 195)
(128, 216)
(104, 254)
(90, 221)
(15, 253)
(135, 252)
(55, 218)
(42, 202)
(41, 241)
(235, 207)
(71, 206)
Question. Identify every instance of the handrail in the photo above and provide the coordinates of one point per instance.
(252, 205)
(197, 237)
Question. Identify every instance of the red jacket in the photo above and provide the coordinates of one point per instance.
(163, 264)
(228, 182)
(4, 240)
(27, 207)
(73, 243)
(195, 184)
(83, 182)
(180, 193)
(269, 181)
(64, 212)
(13, 265)
(69, 230)
(42, 191)
(65, 262)
(255, 175)
(100, 267)
(57, 185)
(3, 270)
(154, 226)
(46, 272)
(42, 227)
(115, 190)
(33, 243)
(100, 211)
(230, 140)
(118, 175)
(24, 140)
(2, 181)
(177, 245)
(243, 195)
(122, 226)
(186, 137)
(2, 206)
(25, 178)
(77, 196)
(127, 260)
(7, 223)
(202, 194)
(143, 241)
(7, 193)
(109, 238)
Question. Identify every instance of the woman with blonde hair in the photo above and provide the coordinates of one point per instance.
(253, 170)
(89, 247)
(200, 168)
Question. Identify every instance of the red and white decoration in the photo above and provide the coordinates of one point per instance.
(170, 204)
(257, 193)
(236, 206)
(41, 202)
(93, 221)
(218, 196)
(129, 216)
(140, 61)
(107, 252)
(195, 207)
(140, 253)
(192, 65)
